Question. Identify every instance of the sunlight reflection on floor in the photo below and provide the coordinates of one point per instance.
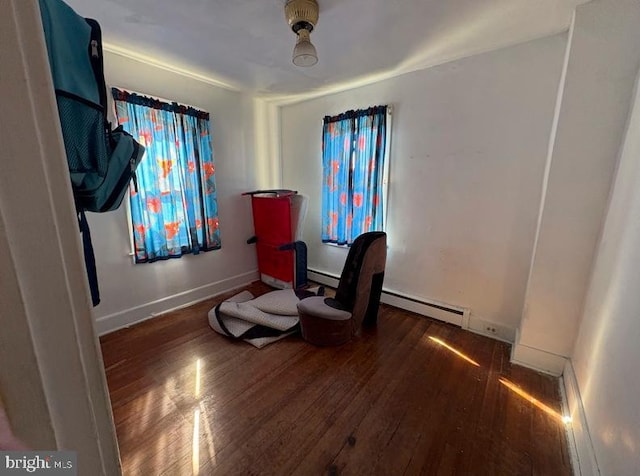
(531, 399)
(195, 457)
(455, 351)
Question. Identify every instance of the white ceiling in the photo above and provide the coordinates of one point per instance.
(247, 44)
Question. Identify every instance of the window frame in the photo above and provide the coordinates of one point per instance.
(113, 119)
(385, 179)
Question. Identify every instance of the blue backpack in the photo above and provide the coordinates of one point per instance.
(101, 162)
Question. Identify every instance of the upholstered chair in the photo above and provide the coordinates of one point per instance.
(333, 321)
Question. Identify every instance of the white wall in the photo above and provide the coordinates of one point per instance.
(131, 292)
(468, 151)
(607, 351)
(603, 63)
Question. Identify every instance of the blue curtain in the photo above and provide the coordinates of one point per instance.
(353, 160)
(174, 209)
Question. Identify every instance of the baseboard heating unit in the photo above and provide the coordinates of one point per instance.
(458, 316)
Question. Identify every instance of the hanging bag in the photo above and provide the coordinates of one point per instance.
(101, 162)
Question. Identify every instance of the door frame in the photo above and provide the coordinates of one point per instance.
(52, 380)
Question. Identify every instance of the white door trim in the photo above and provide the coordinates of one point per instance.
(52, 379)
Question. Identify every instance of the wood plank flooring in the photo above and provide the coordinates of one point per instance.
(398, 400)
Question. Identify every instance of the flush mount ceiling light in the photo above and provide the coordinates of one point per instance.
(302, 16)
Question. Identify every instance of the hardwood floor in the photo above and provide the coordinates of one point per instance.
(392, 402)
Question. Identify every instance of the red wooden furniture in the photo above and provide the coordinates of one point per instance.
(278, 216)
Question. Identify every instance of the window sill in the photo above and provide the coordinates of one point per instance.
(336, 245)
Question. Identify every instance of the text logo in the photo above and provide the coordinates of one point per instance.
(14, 463)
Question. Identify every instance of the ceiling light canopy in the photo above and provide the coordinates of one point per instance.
(302, 16)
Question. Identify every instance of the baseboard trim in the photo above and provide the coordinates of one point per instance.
(443, 312)
(481, 326)
(456, 315)
(568, 428)
(537, 359)
(583, 457)
(128, 317)
(323, 278)
(435, 310)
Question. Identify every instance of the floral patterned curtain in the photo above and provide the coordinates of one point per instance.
(353, 160)
(173, 208)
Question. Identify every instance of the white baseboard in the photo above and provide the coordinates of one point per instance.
(436, 310)
(323, 278)
(491, 329)
(134, 315)
(583, 457)
(537, 359)
(456, 315)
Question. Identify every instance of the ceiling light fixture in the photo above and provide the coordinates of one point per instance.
(302, 16)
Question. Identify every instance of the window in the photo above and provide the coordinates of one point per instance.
(354, 161)
(173, 206)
